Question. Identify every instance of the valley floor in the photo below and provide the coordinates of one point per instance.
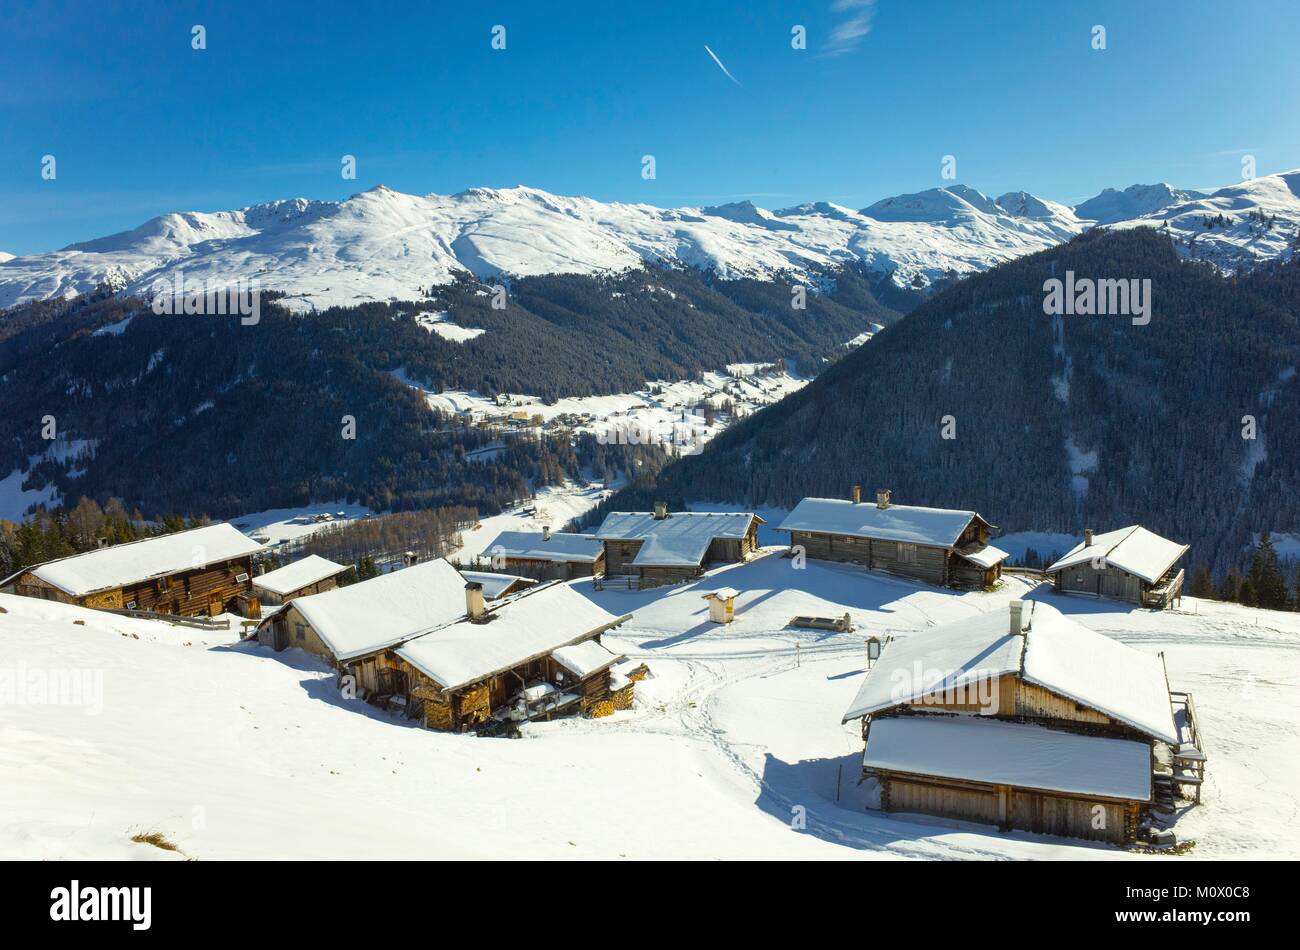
(233, 751)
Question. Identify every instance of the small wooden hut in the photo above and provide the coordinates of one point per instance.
(199, 572)
(663, 547)
(1131, 564)
(312, 574)
(547, 555)
(939, 546)
(722, 604)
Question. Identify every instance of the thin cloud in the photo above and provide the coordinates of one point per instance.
(849, 32)
(724, 69)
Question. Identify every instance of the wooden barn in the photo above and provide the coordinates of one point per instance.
(535, 655)
(663, 547)
(348, 622)
(496, 586)
(1025, 719)
(195, 573)
(1131, 564)
(547, 556)
(937, 545)
(312, 574)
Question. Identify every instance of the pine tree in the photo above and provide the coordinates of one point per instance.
(1202, 584)
(1266, 580)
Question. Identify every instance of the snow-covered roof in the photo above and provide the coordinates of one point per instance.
(583, 659)
(136, 561)
(494, 585)
(977, 749)
(1098, 672)
(985, 555)
(937, 527)
(302, 573)
(680, 540)
(560, 546)
(954, 656)
(1134, 549)
(722, 593)
(522, 627)
(1054, 652)
(385, 610)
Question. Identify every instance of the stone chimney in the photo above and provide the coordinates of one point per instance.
(474, 600)
(661, 510)
(409, 558)
(1087, 537)
(882, 497)
(546, 532)
(1017, 617)
(857, 494)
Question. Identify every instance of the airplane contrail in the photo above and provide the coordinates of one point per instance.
(724, 69)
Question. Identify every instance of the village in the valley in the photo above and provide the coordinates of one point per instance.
(855, 677)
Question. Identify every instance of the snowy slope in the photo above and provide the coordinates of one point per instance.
(382, 244)
(234, 751)
(1245, 238)
(5, 256)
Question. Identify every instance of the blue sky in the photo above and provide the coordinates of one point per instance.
(140, 124)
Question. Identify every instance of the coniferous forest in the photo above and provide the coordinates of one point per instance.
(1189, 425)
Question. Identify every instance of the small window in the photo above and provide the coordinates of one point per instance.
(241, 577)
(130, 605)
(300, 630)
(907, 553)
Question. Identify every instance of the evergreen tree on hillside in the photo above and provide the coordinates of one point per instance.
(1266, 580)
(1202, 585)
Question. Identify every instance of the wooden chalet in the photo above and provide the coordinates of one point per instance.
(936, 545)
(547, 556)
(200, 572)
(348, 622)
(1132, 564)
(496, 586)
(312, 574)
(1025, 719)
(534, 655)
(663, 547)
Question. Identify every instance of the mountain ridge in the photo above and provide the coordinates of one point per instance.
(385, 245)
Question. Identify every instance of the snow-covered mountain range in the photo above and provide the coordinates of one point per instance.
(382, 244)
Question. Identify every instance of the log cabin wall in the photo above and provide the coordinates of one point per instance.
(201, 592)
(1010, 807)
(619, 556)
(1010, 697)
(275, 600)
(1109, 582)
(661, 576)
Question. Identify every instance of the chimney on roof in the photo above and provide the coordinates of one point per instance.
(409, 558)
(857, 494)
(661, 510)
(1017, 617)
(474, 600)
(1087, 537)
(101, 542)
(546, 532)
(882, 497)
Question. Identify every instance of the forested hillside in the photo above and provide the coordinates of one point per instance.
(202, 414)
(1058, 422)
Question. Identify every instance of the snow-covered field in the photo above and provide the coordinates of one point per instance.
(233, 751)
